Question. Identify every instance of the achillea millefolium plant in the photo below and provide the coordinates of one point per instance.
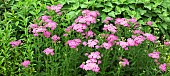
(89, 46)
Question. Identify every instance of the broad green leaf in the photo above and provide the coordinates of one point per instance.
(83, 6)
(103, 16)
(112, 14)
(164, 25)
(118, 10)
(108, 4)
(107, 9)
(149, 5)
(98, 5)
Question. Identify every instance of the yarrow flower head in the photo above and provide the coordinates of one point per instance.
(154, 55)
(92, 63)
(162, 67)
(73, 43)
(107, 45)
(15, 43)
(46, 34)
(122, 21)
(57, 8)
(51, 25)
(25, 63)
(79, 27)
(110, 28)
(92, 42)
(55, 38)
(107, 20)
(124, 62)
(48, 51)
(150, 37)
(167, 43)
(149, 23)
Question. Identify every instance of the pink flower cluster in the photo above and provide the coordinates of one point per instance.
(25, 63)
(88, 17)
(55, 38)
(55, 8)
(162, 67)
(73, 43)
(92, 43)
(15, 43)
(92, 63)
(111, 38)
(134, 41)
(48, 51)
(122, 21)
(79, 27)
(150, 37)
(154, 55)
(43, 29)
(149, 23)
(89, 33)
(81, 22)
(124, 62)
(107, 20)
(110, 28)
(167, 43)
(106, 45)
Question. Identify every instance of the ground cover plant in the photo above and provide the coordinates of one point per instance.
(84, 38)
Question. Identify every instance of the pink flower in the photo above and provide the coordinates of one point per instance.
(94, 55)
(55, 38)
(35, 34)
(124, 62)
(68, 28)
(55, 8)
(25, 63)
(149, 23)
(47, 34)
(92, 63)
(154, 55)
(65, 35)
(82, 65)
(111, 38)
(162, 67)
(123, 44)
(15, 43)
(45, 18)
(84, 43)
(97, 46)
(99, 62)
(49, 51)
(130, 42)
(167, 43)
(132, 20)
(39, 29)
(110, 28)
(89, 33)
(33, 26)
(79, 27)
(92, 43)
(107, 19)
(73, 43)
(137, 32)
(51, 25)
(122, 21)
(150, 37)
(138, 39)
(107, 45)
